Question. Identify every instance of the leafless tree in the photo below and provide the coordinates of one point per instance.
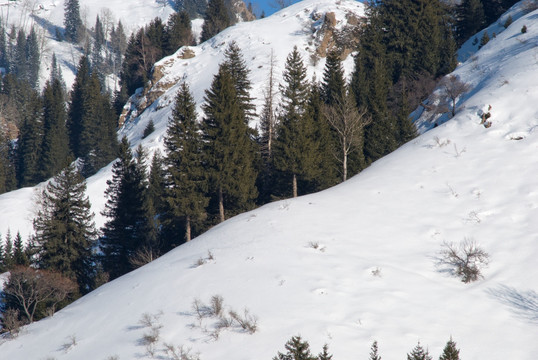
(29, 288)
(143, 257)
(466, 260)
(348, 121)
(280, 4)
(452, 87)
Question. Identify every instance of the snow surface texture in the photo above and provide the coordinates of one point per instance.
(354, 263)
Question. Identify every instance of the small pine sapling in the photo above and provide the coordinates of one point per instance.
(374, 352)
(419, 353)
(324, 354)
(450, 352)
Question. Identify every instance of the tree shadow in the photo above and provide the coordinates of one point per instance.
(523, 303)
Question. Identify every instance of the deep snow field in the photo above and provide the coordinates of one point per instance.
(354, 263)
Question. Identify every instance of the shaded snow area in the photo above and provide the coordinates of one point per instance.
(349, 265)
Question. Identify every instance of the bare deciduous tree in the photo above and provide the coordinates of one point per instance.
(466, 260)
(28, 288)
(348, 121)
(452, 87)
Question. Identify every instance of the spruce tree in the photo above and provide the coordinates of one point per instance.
(216, 19)
(76, 107)
(324, 355)
(4, 61)
(297, 349)
(236, 66)
(8, 253)
(333, 83)
(156, 182)
(64, 229)
(450, 352)
(229, 151)
(29, 144)
(19, 64)
(72, 21)
(55, 147)
(128, 230)
(419, 353)
(33, 59)
(178, 32)
(185, 197)
(471, 19)
(195, 8)
(296, 150)
(374, 352)
(20, 258)
(99, 43)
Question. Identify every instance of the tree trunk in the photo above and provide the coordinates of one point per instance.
(294, 185)
(188, 228)
(344, 167)
(221, 205)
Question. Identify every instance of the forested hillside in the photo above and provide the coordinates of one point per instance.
(194, 135)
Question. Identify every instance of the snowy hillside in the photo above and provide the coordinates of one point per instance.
(48, 15)
(351, 264)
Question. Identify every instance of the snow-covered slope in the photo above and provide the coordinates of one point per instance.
(354, 263)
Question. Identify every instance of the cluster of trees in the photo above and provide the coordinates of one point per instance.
(470, 16)
(299, 349)
(20, 54)
(52, 134)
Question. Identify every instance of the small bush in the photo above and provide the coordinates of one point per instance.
(217, 305)
(248, 322)
(71, 343)
(484, 40)
(508, 21)
(465, 260)
(150, 127)
(524, 29)
(179, 353)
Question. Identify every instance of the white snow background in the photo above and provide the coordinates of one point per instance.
(373, 275)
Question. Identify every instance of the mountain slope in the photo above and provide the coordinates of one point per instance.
(356, 262)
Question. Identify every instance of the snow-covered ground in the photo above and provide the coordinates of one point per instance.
(354, 263)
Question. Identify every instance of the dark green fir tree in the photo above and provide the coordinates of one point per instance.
(419, 353)
(72, 21)
(185, 198)
(128, 230)
(178, 32)
(296, 349)
(216, 19)
(229, 151)
(296, 149)
(65, 233)
(450, 352)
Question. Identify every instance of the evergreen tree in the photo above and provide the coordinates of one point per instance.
(419, 353)
(19, 255)
(55, 146)
(19, 63)
(8, 253)
(64, 229)
(324, 355)
(374, 352)
(56, 72)
(178, 32)
(156, 182)
(72, 21)
(128, 230)
(7, 166)
(236, 66)
(118, 44)
(229, 151)
(4, 61)
(33, 59)
(195, 8)
(216, 19)
(333, 84)
(296, 150)
(30, 140)
(186, 185)
(99, 43)
(75, 111)
(471, 19)
(450, 352)
(297, 349)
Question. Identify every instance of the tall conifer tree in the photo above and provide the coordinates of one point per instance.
(216, 19)
(129, 226)
(55, 148)
(64, 229)
(229, 151)
(186, 183)
(72, 21)
(296, 149)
